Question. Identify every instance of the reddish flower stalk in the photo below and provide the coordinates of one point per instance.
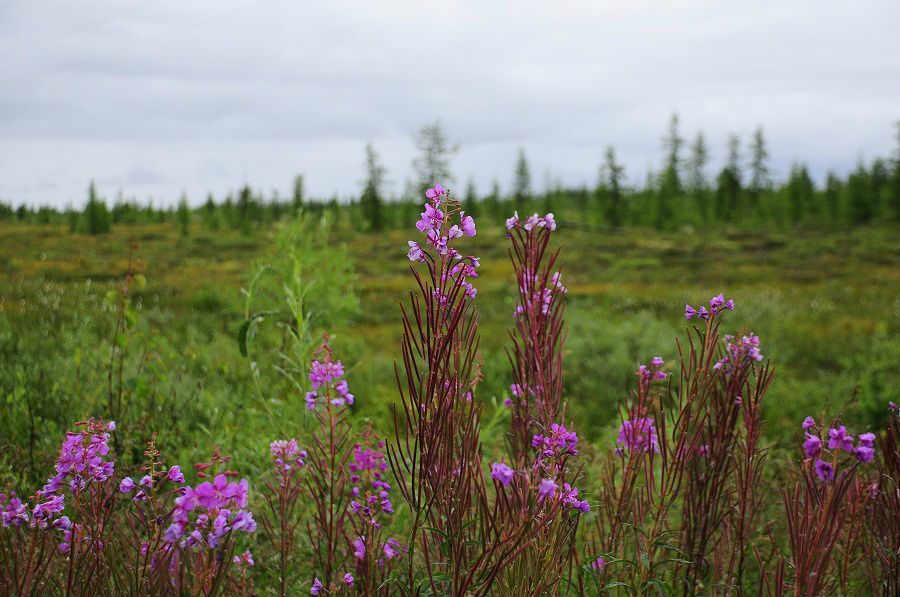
(720, 500)
(882, 521)
(538, 442)
(282, 493)
(329, 454)
(436, 454)
(538, 336)
(825, 507)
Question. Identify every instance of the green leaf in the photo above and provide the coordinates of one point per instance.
(242, 337)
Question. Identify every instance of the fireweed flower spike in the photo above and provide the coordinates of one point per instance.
(502, 473)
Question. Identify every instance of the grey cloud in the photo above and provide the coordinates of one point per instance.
(160, 96)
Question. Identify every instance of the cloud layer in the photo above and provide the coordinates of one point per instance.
(157, 97)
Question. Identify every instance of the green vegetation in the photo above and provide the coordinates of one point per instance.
(824, 303)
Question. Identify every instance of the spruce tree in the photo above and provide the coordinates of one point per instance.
(183, 216)
(759, 170)
(696, 175)
(728, 183)
(432, 165)
(800, 191)
(670, 185)
(297, 197)
(613, 182)
(97, 218)
(859, 196)
(833, 196)
(521, 181)
(371, 196)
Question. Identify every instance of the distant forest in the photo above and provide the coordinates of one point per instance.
(681, 195)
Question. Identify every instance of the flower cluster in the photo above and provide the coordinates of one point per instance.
(81, 459)
(533, 221)
(555, 445)
(13, 511)
(323, 375)
(211, 506)
(81, 462)
(287, 454)
(638, 435)
(549, 489)
(838, 441)
(716, 304)
(646, 373)
(544, 297)
(739, 352)
(369, 490)
(440, 233)
(501, 473)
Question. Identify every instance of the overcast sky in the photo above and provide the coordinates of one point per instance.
(157, 97)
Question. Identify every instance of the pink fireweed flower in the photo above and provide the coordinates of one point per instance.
(824, 470)
(13, 512)
(392, 548)
(316, 587)
(435, 192)
(440, 233)
(348, 579)
(287, 453)
(546, 489)
(245, 559)
(839, 439)
(359, 548)
(216, 494)
(502, 473)
(740, 353)
(864, 453)
(812, 446)
(467, 224)
(866, 439)
(598, 565)
(175, 475)
(513, 221)
(415, 252)
(657, 362)
(808, 423)
(127, 485)
(639, 435)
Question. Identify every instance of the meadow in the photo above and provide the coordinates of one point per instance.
(188, 336)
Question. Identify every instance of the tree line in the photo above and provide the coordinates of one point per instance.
(681, 194)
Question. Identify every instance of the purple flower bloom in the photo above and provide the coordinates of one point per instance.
(839, 439)
(111, 426)
(657, 362)
(245, 559)
(808, 423)
(126, 485)
(546, 489)
(598, 565)
(639, 435)
(391, 548)
(348, 579)
(316, 587)
(175, 475)
(437, 191)
(866, 439)
(359, 548)
(824, 470)
(689, 312)
(502, 473)
(864, 453)
(812, 445)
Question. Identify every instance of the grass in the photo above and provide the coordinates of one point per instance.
(824, 303)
